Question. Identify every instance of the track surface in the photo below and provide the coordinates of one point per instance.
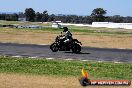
(27, 50)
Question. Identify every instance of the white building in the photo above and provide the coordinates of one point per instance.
(112, 25)
(55, 24)
(22, 19)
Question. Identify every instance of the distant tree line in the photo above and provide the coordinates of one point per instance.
(97, 15)
(9, 17)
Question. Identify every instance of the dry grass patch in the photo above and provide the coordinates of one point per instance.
(102, 41)
(31, 81)
(26, 37)
(47, 37)
(26, 81)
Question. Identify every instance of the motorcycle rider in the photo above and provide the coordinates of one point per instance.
(67, 36)
(65, 42)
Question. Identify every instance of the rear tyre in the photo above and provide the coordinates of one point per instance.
(76, 48)
(54, 47)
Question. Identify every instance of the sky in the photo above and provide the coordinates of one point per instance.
(76, 7)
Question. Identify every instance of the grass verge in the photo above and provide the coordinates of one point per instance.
(72, 28)
(34, 36)
(87, 30)
(36, 66)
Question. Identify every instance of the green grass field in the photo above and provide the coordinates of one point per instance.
(103, 70)
(87, 31)
(23, 23)
(84, 30)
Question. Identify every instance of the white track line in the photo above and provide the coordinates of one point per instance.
(50, 58)
(17, 56)
(33, 57)
(117, 62)
(100, 61)
(64, 59)
(42, 44)
(68, 59)
(84, 60)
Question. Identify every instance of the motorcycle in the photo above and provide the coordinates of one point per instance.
(59, 45)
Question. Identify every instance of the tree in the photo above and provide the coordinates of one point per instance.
(45, 16)
(117, 19)
(21, 15)
(2, 16)
(127, 19)
(98, 14)
(14, 17)
(30, 14)
(38, 17)
(51, 17)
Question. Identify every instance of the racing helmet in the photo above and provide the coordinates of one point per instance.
(65, 29)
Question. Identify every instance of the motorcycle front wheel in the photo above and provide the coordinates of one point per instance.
(54, 47)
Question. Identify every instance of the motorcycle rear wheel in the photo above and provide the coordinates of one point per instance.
(76, 48)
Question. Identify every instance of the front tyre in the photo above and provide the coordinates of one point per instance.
(54, 47)
(85, 81)
(76, 48)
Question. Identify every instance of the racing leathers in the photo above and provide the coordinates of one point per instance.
(67, 37)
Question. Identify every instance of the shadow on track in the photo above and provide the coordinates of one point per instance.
(78, 53)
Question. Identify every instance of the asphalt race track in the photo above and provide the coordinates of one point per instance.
(43, 51)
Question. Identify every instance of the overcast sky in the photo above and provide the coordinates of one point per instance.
(77, 7)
